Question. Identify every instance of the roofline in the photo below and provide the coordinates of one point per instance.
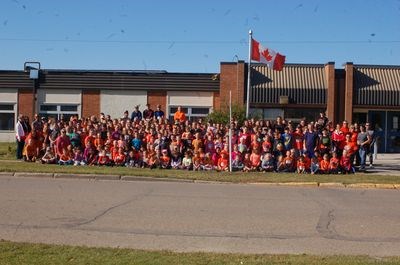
(81, 71)
(376, 66)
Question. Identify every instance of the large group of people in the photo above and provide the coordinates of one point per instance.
(149, 140)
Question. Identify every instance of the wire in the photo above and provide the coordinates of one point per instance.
(204, 41)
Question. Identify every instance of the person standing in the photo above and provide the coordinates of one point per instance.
(159, 114)
(136, 114)
(20, 136)
(371, 148)
(310, 143)
(363, 142)
(179, 116)
(148, 113)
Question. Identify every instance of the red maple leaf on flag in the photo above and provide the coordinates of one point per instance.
(266, 55)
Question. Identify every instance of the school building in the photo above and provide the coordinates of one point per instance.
(356, 93)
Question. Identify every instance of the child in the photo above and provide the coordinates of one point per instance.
(324, 164)
(289, 162)
(207, 162)
(165, 160)
(65, 158)
(237, 164)
(130, 159)
(48, 157)
(314, 165)
(78, 158)
(345, 163)
(176, 160)
(103, 159)
(187, 161)
(301, 165)
(197, 161)
(119, 159)
(255, 159)
(247, 163)
(223, 162)
(267, 163)
(334, 164)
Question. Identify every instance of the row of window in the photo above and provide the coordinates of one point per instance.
(56, 111)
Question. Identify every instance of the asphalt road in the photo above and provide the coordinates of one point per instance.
(200, 217)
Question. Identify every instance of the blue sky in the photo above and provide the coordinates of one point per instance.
(194, 36)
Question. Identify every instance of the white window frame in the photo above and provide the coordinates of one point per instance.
(58, 113)
(189, 113)
(14, 111)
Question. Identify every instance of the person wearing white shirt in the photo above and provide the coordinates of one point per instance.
(20, 136)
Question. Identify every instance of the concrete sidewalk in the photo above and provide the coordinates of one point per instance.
(388, 164)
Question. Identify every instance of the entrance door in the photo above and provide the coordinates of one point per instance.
(393, 132)
(378, 120)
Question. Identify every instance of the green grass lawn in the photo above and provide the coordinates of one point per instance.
(7, 151)
(40, 254)
(9, 164)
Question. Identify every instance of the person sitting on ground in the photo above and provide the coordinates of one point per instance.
(255, 159)
(208, 163)
(176, 159)
(103, 159)
(197, 161)
(187, 162)
(49, 157)
(314, 165)
(79, 159)
(268, 163)
(65, 158)
(237, 164)
(223, 162)
(301, 165)
(324, 164)
(246, 163)
(165, 160)
(119, 159)
(334, 164)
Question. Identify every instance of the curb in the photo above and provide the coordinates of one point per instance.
(33, 175)
(176, 180)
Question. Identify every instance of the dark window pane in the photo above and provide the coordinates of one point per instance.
(7, 107)
(204, 111)
(7, 121)
(174, 109)
(69, 108)
(48, 107)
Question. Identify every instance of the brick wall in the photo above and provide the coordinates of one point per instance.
(155, 98)
(348, 97)
(90, 103)
(25, 102)
(331, 100)
(216, 101)
(232, 77)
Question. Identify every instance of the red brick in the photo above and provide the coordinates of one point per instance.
(26, 103)
(90, 103)
(155, 98)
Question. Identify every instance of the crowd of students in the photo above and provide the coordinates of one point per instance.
(149, 140)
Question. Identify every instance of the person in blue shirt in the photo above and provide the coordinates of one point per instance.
(136, 114)
(159, 114)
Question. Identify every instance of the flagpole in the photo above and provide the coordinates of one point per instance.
(230, 131)
(248, 76)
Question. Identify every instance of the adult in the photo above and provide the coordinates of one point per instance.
(159, 114)
(62, 143)
(37, 123)
(20, 136)
(136, 114)
(363, 142)
(179, 116)
(310, 141)
(148, 113)
(371, 148)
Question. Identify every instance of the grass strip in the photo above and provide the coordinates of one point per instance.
(234, 177)
(25, 253)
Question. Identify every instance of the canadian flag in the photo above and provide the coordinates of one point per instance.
(267, 56)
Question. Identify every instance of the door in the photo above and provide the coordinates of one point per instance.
(378, 120)
(393, 132)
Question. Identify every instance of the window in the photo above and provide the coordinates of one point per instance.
(7, 116)
(59, 112)
(192, 113)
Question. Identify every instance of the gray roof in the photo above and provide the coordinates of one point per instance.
(302, 83)
(377, 85)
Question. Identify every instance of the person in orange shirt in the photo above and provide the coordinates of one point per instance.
(255, 159)
(179, 116)
(334, 164)
(197, 143)
(324, 164)
(223, 162)
(119, 159)
(351, 148)
(301, 165)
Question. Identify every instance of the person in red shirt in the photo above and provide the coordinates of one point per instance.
(255, 159)
(223, 162)
(119, 159)
(334, 164)
(345, 127)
